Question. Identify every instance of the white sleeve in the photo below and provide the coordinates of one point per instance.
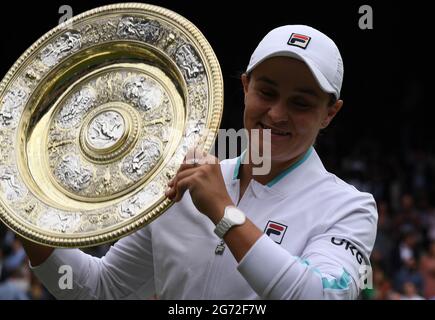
(332, 265)
(125, 272)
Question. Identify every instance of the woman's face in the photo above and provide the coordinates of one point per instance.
(281, 94)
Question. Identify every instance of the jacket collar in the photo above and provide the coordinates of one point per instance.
(294, 177)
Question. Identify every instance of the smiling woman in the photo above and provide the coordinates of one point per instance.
(281, 228)
(282, 95)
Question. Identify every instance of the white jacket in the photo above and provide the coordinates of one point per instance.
(321, 233)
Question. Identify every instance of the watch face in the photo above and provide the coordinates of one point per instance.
(237, 216)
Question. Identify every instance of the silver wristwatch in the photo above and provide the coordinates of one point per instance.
(232, 217)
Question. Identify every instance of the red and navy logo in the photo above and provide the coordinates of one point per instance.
(275, 231)
(299, 40)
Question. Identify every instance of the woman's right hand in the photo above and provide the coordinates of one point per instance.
(37, 253)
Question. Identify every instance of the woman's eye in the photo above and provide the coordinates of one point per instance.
(266, 93)
(301, 103)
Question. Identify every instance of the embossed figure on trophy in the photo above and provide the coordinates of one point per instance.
(143, 93)
(59, 222)
(11, 187)
(133, 206)
(142, 160)
(103, 132)
(72, 174)
(168, 40)
(68, 42)
(131, 27)
(104, 185)
(12, 101)
(138, 161)
(188, 61)
(106, 129)
(129, 209)
(62, 223)
(78, 104)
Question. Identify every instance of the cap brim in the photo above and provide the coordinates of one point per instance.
(320, 78)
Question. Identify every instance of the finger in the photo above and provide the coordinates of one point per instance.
(197, 151)
(186, 166)
(209, 159)
(182, 186)
(181, 175)
(171, 192)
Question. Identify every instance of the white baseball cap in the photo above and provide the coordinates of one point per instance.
(309, 45)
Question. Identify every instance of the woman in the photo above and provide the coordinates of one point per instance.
(297, 232)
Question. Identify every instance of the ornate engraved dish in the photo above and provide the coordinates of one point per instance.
(95, 119)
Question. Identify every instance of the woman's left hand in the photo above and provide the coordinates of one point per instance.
(203, 178)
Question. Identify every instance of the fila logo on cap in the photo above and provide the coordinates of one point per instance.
(299, 40)
(275, 231)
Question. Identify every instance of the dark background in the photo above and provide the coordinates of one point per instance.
(381, 141)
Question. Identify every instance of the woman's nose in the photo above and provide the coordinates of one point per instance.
(278, 112)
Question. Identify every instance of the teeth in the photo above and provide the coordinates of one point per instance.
(274, 131)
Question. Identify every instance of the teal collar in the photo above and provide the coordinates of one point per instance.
(291, 168)
(279, 176)
(237, 168)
